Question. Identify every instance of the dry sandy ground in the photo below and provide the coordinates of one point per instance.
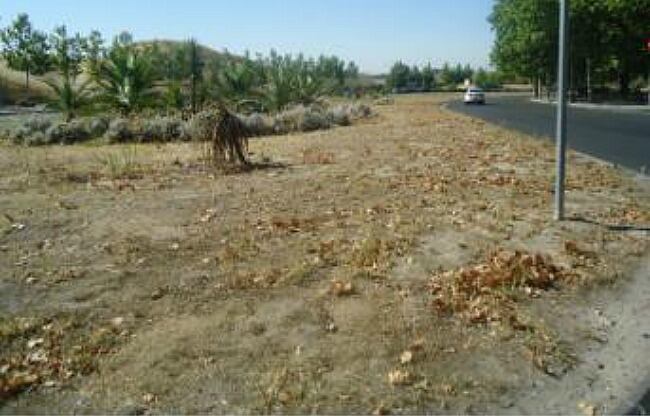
(407, 263)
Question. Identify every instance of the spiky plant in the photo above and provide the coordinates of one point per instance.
(236, 82)
(127, 77)
(279, 89)
(69, 98)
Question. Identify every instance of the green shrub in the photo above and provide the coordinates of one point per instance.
(36, 123)
(68, 133)
(258, 124)
(118, 131)
(97, 126)
(18, 135)
(300, 118)
(37, 138)
(312, 120)
(164, 129)
(339, 115)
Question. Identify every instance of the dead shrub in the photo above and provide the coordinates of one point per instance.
(229, 139)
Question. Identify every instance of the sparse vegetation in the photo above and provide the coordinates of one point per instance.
(406, 263)
(393, 267)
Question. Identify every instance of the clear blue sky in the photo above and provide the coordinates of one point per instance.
(373, 33)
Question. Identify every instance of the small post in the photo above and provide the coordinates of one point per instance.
(560, 131)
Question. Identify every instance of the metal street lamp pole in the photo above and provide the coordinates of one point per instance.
(560, 130)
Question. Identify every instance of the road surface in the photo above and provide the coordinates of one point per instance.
(620, 137)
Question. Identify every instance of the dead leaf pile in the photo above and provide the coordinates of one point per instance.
(52, 354)
(484, 293)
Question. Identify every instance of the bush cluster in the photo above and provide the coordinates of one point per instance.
(305, 118)
(38, 131)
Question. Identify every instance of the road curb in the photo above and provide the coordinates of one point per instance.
(642, 109)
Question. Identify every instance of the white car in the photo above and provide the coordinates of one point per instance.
(474, 95)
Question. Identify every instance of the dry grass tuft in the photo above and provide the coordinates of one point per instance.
(315, 156)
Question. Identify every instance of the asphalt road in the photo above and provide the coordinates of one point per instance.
(620, 137)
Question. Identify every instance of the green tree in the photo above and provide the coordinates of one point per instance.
(127, 76)
(398, 76)
(486, 79)
(67, 56)
(428, 77)
(525, 38)
(415, 77)
(447, 76)
(352, 71)
(24, 48)
(94, 52)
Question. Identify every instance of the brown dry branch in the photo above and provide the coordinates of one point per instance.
(229, 140)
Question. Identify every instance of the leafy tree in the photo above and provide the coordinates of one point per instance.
(331, 67)
(447, 76)
(415, 77)
(24, 48)
(605, 38)
(94, 52)
(428, 77)
(467, 73)
(67, 56)
(398, 76)
(352, 71)
(67, 52)
(525, 37)
(486, 79)
(126, 76)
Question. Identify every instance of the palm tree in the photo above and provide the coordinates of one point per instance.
(69, 98)
(127, 77)
(67, 58)
(278, 91)
(236, 82)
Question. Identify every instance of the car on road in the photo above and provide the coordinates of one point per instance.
(474, 95)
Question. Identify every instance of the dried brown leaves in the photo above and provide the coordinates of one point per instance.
(483, 293)
(53, 355)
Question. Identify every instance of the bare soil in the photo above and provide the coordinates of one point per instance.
(407, 263)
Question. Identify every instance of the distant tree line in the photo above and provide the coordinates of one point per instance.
(606, 42)
(129, 76)
(404, 78)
